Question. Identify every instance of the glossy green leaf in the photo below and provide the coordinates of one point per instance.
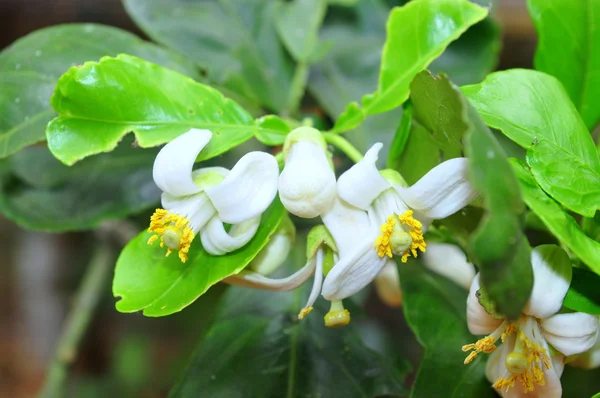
(272, 130)
(99, 102)
(43, 194)
(435, 309)
(568, 49)
(583, 294)
(420, 154)
(147, 280)
(534, 110)
(400, 138)
(234, 41)
(298, 26)
(258, 348)
(558, 221)
(30, 67)
(409, 48)
(438, 108)
(591, 226)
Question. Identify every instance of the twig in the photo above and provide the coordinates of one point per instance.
(88, 295)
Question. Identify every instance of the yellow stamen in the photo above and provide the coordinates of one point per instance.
(174, 231)
(486, 345)
(395, 240)
(305, 311)
(337, 315)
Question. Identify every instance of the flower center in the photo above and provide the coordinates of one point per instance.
(337, 315)
(173, 230)
(524, 364)
(395, 239)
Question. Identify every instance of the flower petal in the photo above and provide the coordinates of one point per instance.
(353, 272)
(254, 279)
(273, 254)
(307, 183)
(362, 183)
(441, 192)
(552, 273)
(196, 208)
(387, 203)
(172, 171)
(248, 189)
(217, 241)
(572, 333)
(387, 285)
(589, 359)
(349, 226)
(449, 261)
(478, 320)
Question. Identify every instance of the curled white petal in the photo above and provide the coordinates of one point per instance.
(217, 241)
(589, 359)
(273, 254)
(353, 272)
(307, 183)
(441, 192)
(362, 183)
(318, 281)
(172, 171)
(254, 279)
(572, 333)
(449, 261)
(387, 203)
(552, 273)
(478, 320)
(387, 285)
(348, 226)
(248, 189)
(196, 208)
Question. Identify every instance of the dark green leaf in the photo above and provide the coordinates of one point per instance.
(43, 194)
(420, 154)
(30, 67)
(582, 383)
(147, 280)
(409, 48)
(435, 309)
(534, 110)
(258, 348)
(583, 294)
(400, 138)
(298, 26)
(568, 49)
(99, 102)
(559, 222)
(234, 41)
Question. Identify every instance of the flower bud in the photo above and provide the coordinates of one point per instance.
(387, 285)
(307, 183)
(274, 254)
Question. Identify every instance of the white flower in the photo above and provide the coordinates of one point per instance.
(443, 258)
(201, 201)
(274, 254)
(307, 182)
(589, 359)
(525, 366)
(373, 219)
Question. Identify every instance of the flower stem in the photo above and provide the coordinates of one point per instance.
(343, 145)
(78, 319)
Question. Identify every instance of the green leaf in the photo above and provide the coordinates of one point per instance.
(435, 309)
(498, 245)
(578, 382)
(533, 110)
(30, 67)
(272, 130)
(583, 294)
(234, 41)
(568, 49)
(43, 194)
(591, 226)
(420, 154)
(559, 222)
(438, 109)
(99, 102)
(400, 138)
(409, 48)
(298, 26)
(147, 280)
(257, 348)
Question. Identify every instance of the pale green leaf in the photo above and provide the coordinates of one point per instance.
(534, 110)
(298, 24)
(147, 280)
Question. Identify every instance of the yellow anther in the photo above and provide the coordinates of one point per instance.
(174, 231)
(305, 311)
(394, 239)
(485, 345)
(337, 315)
(416, 233)
(382, 243)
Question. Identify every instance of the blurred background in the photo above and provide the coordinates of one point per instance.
(124, 354)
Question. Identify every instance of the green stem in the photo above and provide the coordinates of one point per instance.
(343, 145)
(88, 295)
